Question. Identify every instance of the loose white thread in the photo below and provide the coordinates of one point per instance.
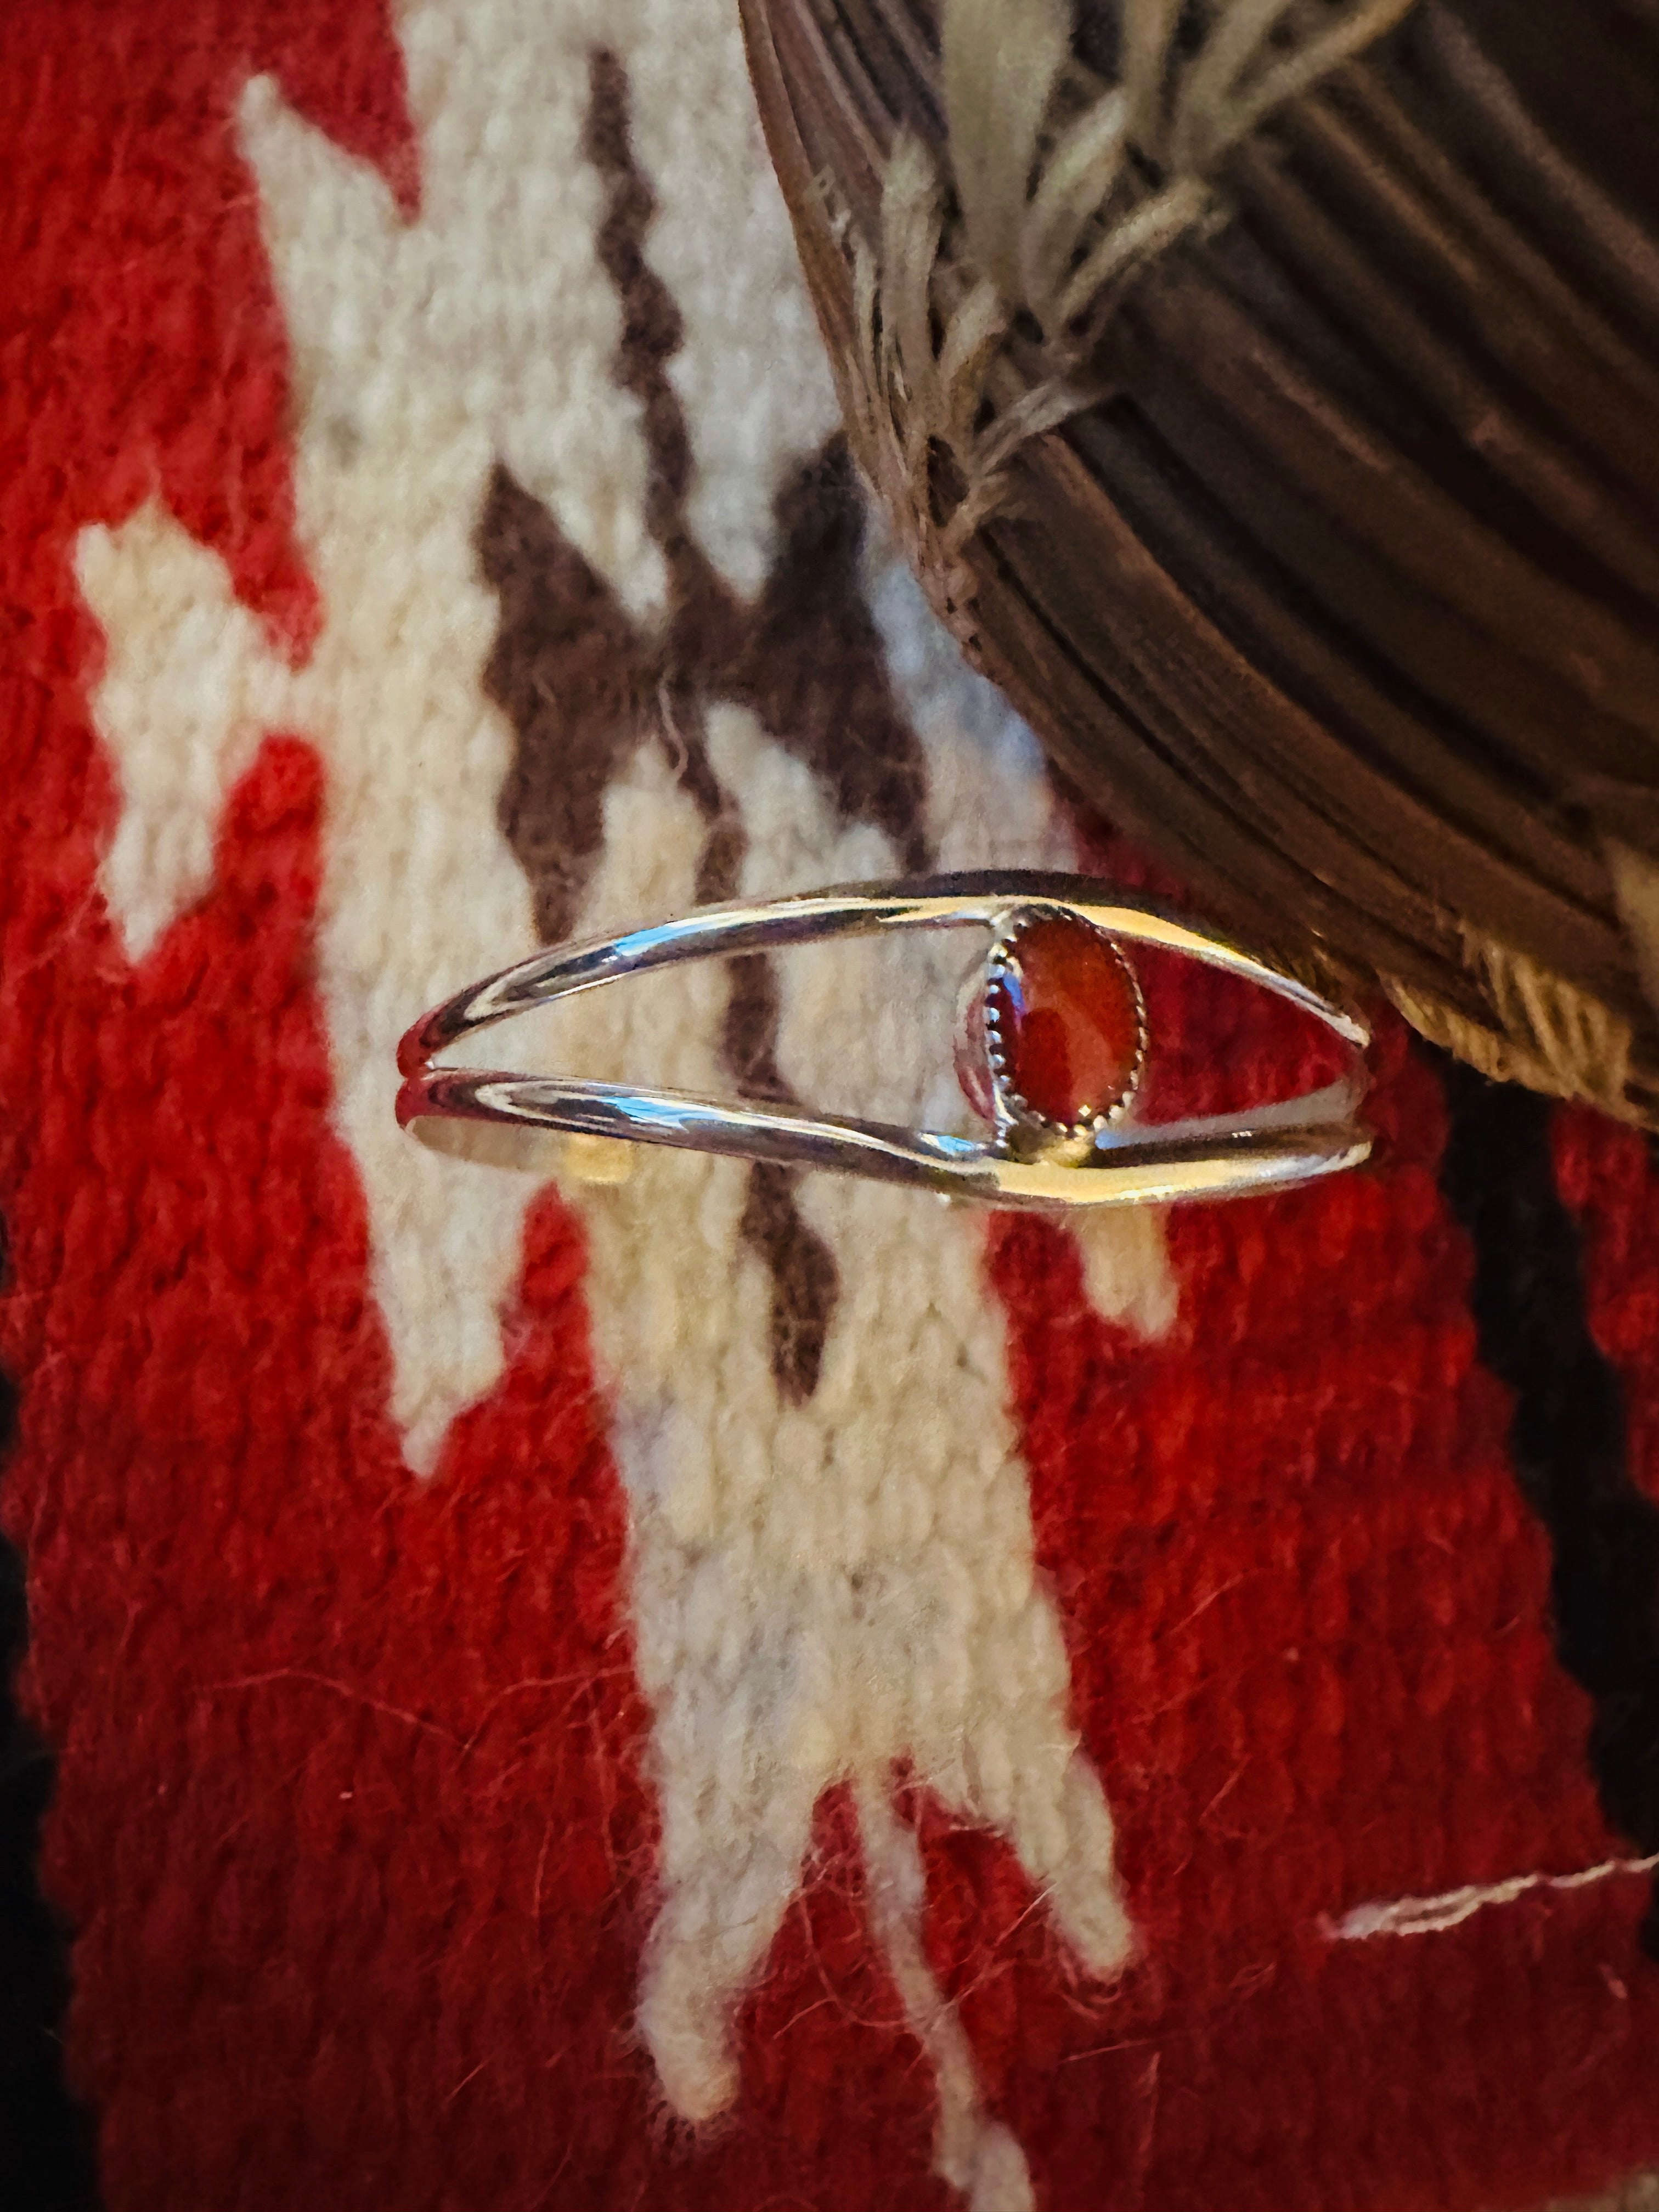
(1431, 1916)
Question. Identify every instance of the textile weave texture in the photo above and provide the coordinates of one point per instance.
(669, 1685)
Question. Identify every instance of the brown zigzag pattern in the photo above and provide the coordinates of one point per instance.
(582, 684)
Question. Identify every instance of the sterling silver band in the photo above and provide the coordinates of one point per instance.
(1124, 1162)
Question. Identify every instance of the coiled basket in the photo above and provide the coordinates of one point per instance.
(1265, 392)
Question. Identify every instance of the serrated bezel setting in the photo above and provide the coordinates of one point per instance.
(1020, 1124)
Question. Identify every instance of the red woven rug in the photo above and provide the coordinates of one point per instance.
(687, 1687)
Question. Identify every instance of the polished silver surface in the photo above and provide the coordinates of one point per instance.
(1126, 1162)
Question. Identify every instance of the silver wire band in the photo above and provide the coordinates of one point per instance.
(1223, 1156)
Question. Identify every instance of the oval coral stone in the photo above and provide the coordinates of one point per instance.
(1068, 1020)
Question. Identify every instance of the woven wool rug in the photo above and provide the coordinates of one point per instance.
(672, 1685)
